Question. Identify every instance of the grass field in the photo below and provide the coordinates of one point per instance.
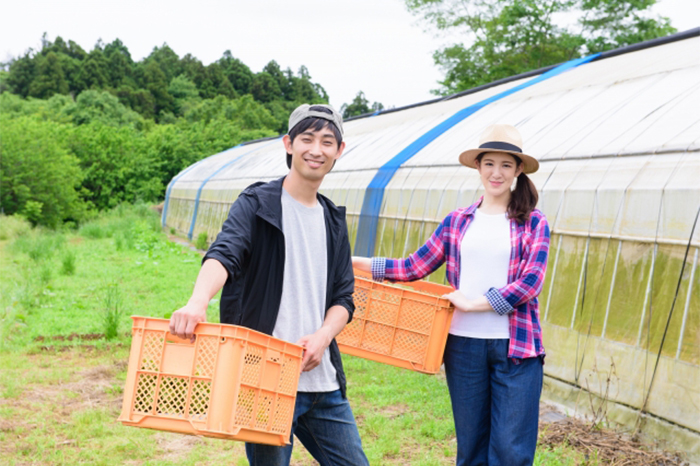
(64, 293)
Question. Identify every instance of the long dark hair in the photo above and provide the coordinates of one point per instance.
(524, 197)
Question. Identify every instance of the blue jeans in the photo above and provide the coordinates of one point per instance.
(324, 424)
(494, 401)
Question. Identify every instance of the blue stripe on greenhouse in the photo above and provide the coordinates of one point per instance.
(206, 180)
(374, 194)
(170, 187)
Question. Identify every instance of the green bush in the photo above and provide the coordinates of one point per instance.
(202, 241)
(93, 230)
(39, 245)
(13, 226)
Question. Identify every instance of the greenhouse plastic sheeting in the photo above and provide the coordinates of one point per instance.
(618, 141)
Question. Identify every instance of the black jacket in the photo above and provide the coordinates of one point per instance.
(251, 248)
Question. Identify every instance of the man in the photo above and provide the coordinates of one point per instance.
(268, 259)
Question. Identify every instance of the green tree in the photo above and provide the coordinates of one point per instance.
(76, 51)
(22, 73)
(508, 37)
(359, 106)
(275, 72)
(116, 167)
(238, 74)
(120, 63)
(39, 177)
(94, 73)
(167, 60)
(265, 88)
(50, 78)
(100, 106)
(139, 100)
(155, 81)
(71, 70)
(216, 83)
(3, 81)
(194, 70)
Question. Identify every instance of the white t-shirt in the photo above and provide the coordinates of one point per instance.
(302, 309)
(485, 257)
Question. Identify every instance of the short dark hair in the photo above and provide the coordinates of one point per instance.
(315, 124)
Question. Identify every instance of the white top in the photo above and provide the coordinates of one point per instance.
(302, 309)
(485, 257)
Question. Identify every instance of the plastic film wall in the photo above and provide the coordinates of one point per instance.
(618, 141)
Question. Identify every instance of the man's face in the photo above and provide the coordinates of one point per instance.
(313, 153)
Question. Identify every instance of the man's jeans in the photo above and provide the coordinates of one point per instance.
(494, 401)
(324, 424)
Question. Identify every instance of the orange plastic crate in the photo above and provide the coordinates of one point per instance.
(232, 382)
(403, 325)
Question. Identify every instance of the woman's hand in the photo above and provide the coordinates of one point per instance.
(461, 302)
(362, 263)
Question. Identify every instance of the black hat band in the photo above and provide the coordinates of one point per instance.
(501, 146)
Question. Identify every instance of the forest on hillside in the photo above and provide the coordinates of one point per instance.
(85, 131)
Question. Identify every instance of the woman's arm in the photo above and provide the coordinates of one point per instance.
(427, 259)
(529, 285)
(362, 263)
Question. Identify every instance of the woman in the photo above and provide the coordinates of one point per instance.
(496, 253)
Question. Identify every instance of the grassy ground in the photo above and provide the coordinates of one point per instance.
(61, 384)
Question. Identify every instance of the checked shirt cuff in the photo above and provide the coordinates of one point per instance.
(378, 268)
(497, 302)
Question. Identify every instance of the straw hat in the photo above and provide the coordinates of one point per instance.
(500, 138)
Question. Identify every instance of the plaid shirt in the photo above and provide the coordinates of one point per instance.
(528, 262)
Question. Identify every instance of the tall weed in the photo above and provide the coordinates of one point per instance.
(68, 263)
(45, 274)
(112, 311)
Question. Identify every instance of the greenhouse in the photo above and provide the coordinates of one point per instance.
(618, 140)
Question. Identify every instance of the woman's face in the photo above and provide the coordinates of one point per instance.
(498, 171)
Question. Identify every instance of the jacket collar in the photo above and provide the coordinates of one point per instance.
(270, 204)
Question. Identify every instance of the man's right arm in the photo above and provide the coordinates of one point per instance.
(210, 280)
(224, 260)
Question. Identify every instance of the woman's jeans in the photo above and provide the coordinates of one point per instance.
(325, 425)
(495, 402)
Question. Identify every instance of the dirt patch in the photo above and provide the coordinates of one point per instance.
(607, 446)
(89, 389)
(71, 337)
(176, 446)
(51, 349)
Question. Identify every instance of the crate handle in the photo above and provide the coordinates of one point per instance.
(273, 356)
(175, 340)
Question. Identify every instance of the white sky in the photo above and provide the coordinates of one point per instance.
(376, 46)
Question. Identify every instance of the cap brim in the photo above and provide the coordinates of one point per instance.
(468, 158)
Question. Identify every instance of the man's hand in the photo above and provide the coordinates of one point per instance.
(314, 347)
(184, 320)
